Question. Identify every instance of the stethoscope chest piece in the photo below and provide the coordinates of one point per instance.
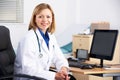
(40, 55)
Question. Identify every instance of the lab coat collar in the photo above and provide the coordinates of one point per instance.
(43, 44)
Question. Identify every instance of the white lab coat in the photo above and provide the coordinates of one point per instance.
(28, 60)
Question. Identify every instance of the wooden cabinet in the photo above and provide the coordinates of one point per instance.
(81, 42)
(84, 42)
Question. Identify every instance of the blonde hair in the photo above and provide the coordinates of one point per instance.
(37, 10)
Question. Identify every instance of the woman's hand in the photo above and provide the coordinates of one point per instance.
(64, 71)
(59, 76)
(63, 74)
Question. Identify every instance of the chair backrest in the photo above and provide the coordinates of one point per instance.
(7, 58)
(7, 54)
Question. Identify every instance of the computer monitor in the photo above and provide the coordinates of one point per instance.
(82, 54)
(103, 45)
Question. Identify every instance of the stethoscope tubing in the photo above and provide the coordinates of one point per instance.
(40, 55)
(38, 41)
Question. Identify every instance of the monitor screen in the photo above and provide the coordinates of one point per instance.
(103, 44)
(82, 54)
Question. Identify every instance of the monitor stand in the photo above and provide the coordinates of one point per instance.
(102, 65)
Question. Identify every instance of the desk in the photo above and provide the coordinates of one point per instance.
(84, 42)
(97, 72)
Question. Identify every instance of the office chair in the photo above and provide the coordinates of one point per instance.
(7, 57)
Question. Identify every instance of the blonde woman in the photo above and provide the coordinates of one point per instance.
(39, 49)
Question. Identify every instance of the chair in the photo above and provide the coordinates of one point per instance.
(7, 57)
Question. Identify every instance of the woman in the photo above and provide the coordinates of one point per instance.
(39, 49)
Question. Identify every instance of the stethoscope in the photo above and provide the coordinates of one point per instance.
(40, 55)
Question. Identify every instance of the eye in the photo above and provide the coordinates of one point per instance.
(48, 16)
(39, 16)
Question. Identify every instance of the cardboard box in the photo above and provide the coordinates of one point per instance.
(99, 25)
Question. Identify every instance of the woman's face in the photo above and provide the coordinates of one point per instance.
(44, 19)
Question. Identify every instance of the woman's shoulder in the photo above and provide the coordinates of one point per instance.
(29, 35)
(52, 35)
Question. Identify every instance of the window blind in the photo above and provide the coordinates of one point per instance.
(11, 11)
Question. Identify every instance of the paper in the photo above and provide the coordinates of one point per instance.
(114, 67)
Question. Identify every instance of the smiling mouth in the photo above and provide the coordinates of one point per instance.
(44, 24)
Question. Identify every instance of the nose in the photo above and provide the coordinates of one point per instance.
(44, 18)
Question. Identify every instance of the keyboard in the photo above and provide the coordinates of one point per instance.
(80, 64)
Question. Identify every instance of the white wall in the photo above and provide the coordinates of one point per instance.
(72, 17)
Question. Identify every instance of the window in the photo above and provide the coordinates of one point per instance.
(11, 11)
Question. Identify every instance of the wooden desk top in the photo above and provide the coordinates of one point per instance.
(94, 70)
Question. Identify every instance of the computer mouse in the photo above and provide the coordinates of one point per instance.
(86, 67)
